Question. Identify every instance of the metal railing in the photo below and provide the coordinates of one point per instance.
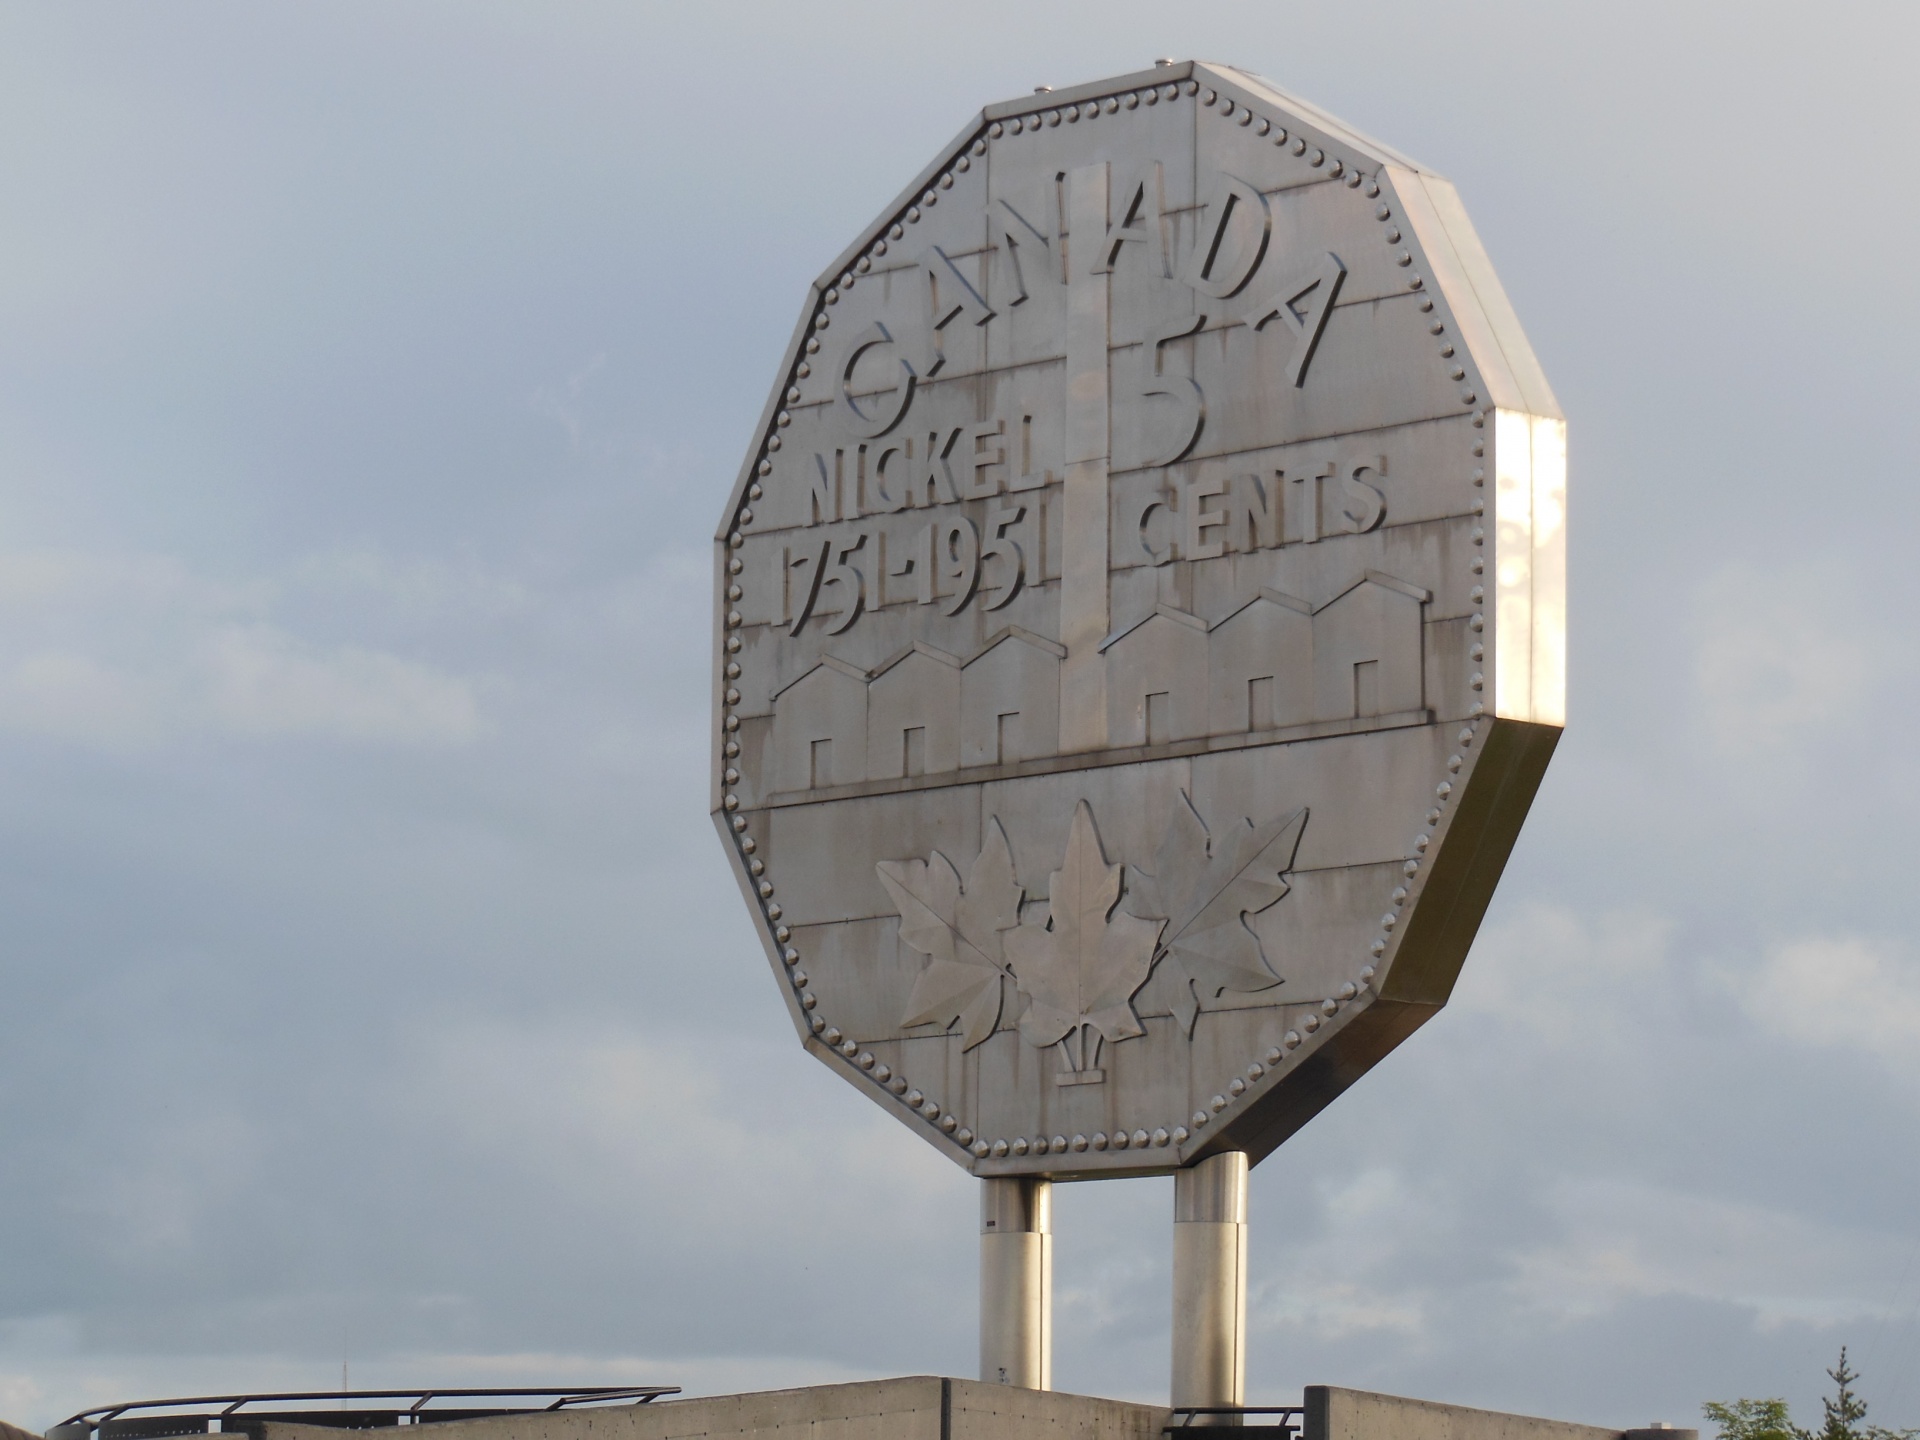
(116, 1422)
(1290, 1422)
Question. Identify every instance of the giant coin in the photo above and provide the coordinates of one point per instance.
(1140, 626)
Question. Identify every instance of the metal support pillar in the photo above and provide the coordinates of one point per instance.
(1210, 1282)
(1016, 1282)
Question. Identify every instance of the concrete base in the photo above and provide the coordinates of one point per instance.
(919, 1407)
(926, 1407)
(1335, 1414)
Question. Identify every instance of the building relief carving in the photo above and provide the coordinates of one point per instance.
(1078, 967)
(1163, 467)
(1205, 886)
(1272, 664)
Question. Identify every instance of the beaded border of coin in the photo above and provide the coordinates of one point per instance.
(1238, 111)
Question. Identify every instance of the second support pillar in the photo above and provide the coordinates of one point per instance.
(1016, 1283)
(1210, 1282)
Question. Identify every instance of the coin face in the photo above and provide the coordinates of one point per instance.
(1141, 626)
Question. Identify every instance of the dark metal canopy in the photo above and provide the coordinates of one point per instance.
(204, 1414)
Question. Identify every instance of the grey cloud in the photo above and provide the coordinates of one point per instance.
(382, 996)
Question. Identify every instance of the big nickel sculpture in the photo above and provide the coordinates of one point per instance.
(1141, 633)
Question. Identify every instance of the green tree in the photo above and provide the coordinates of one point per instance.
(1845, 1410)
(1845, 1415)
(1753, 1420)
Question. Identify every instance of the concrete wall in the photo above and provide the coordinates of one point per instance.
(926, 1407)
(920, 1407)
(1336, 1414)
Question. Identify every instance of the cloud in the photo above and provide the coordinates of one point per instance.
(1848, 991)
(258, 680)
(236, 1107)
(606, 1104)
(129, 652)
(1537, 1151)
(1621, 1240)
(564, 404)
(19, 1394)
(1337, 1307)
(75, 697)
(417, 587)
(1784, 654)
(1551, 976)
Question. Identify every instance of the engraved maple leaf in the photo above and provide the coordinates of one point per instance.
(1203, 887)
(1081, 968)
(960, 931)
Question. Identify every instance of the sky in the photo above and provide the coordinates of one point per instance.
(373, 991)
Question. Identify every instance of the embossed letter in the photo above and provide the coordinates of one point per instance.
(1025, 476)
(881, 500)
(887, 406)
(1303, 495)
(1200, 519)
(1184, 428)
(1366, 506)
(850, 583)
(1161, 552)
(1254, 513)
(823, 489)
(949, 294)
(933, 477)
(1135, 198)
(1232, 238)
(1012, 569)
(958, 548)
(975, 482)
(817, 565)
(1302, 301)
(1014, 234)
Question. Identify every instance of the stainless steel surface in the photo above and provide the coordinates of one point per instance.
(1210, 1282)
(1016, 1282)
(1089, 248)
(1212, 1192)
(1140, 627)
